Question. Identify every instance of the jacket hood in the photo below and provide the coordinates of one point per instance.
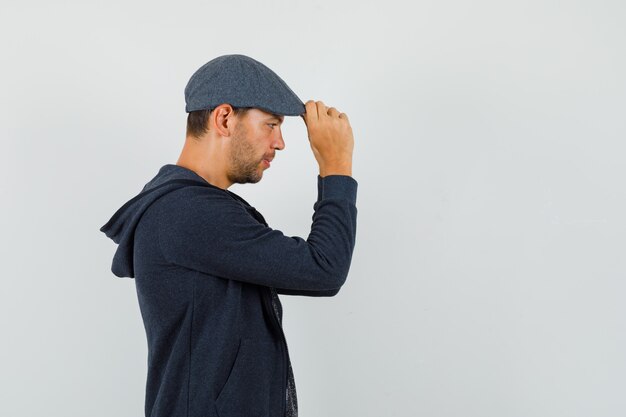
(121, 227)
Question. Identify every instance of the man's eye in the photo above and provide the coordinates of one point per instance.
(272, 124)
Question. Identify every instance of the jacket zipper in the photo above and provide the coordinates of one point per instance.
(269, 304)
(285, 350)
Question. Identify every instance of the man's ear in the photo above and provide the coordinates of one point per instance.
(223, 118)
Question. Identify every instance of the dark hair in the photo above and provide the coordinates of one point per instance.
(197, 121)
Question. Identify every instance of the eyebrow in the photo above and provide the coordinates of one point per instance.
(277, 117)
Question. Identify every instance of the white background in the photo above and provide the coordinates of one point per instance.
(488, 277)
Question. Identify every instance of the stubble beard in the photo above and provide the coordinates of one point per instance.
(243, 167)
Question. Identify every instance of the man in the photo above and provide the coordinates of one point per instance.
(207, 266)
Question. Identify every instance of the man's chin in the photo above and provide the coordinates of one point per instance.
(249, 180)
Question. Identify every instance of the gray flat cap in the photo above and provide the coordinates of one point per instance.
(241, 82)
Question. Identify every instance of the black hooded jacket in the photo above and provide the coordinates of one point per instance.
(207, 271)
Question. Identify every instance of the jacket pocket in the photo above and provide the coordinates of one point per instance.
(246, 392)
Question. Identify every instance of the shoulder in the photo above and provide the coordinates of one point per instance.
(198, 199)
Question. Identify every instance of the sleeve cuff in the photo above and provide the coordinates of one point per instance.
(337, 187)
(319, 188)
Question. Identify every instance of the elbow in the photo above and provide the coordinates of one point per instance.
(331, 267)
(336, 281)
(331, 293)
(331, 274)
(329, 286)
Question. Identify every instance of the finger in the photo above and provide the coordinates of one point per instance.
(311, 110)
(344, 116)
(333, 111)
(321, 108)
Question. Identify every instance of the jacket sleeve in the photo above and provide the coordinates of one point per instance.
(310, 293)
(213, 233)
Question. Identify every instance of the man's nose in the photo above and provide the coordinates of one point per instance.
(279, 142)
